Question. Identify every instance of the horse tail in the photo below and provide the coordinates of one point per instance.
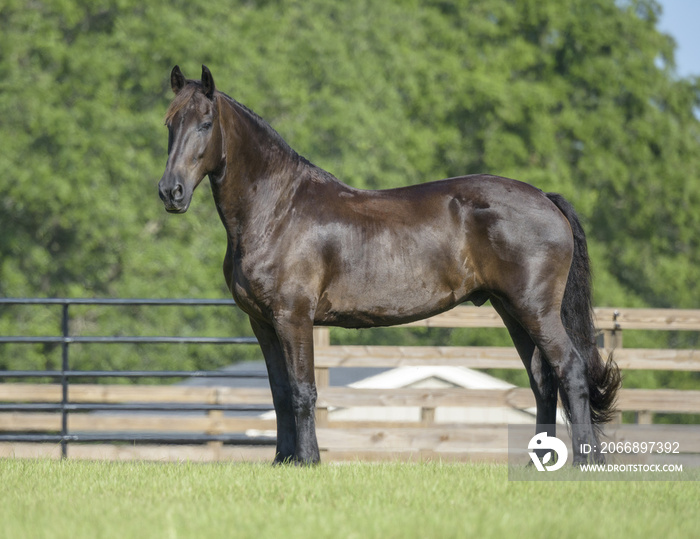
(603, 376)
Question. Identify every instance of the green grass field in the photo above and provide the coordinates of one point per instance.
(74, 499)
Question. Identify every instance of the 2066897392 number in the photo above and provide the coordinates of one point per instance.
(640, 447)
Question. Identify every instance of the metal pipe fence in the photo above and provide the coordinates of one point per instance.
(65, 375)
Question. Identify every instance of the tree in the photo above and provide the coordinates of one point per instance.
(579, 97)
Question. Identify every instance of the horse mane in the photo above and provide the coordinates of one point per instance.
(259, 123)
(270, 133)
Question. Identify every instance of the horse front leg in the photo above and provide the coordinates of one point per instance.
(296, 338)
(281, 390)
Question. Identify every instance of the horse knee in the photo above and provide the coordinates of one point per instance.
(304, 399)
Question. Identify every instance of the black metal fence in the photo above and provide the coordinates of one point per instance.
(65, 375)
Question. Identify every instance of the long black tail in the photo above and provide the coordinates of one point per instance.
(604, 377)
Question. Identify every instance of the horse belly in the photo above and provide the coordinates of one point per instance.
(386, 287)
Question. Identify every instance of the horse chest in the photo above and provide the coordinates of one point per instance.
(250, 286)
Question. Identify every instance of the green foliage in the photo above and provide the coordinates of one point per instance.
(579, 97)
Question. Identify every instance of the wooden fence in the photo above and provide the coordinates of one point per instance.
(362, 439)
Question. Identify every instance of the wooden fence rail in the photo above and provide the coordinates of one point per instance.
(361, 439)
(489, 357)
(340, 439)
(610, 322)
(607, 319)
(661, 400)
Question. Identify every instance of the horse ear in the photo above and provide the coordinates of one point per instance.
(207, 82)
(177, 80)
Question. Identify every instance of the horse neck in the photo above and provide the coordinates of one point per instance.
(261, 172)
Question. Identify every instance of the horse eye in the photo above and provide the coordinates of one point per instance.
(204, 126)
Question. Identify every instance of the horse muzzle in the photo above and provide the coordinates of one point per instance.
(175, 195)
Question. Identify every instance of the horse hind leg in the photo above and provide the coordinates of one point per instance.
(569, 367)
(557, 364)
(548, 387)
(542, 378)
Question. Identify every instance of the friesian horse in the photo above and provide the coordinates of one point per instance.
(305, 249)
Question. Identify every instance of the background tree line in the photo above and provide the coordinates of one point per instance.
(579, 97)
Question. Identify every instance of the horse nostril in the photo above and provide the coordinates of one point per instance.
(177, 192)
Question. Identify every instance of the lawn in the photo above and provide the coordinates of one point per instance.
(76, 499)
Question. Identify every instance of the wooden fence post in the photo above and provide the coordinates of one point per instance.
(645, 417)
(612, 340)
(322, 339)
(215, 427)
(215, 417)
(427, 416)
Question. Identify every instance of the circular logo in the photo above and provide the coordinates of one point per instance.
(553, 445)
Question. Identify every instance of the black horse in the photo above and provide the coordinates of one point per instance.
(305, 249)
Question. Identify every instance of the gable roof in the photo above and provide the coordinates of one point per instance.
(408, 376)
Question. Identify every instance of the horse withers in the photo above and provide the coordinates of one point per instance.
(305, 249)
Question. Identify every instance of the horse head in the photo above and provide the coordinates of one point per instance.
(195, 146)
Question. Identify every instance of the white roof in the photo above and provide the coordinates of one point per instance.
(409, 376)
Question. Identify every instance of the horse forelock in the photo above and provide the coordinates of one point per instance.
(181, 99)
